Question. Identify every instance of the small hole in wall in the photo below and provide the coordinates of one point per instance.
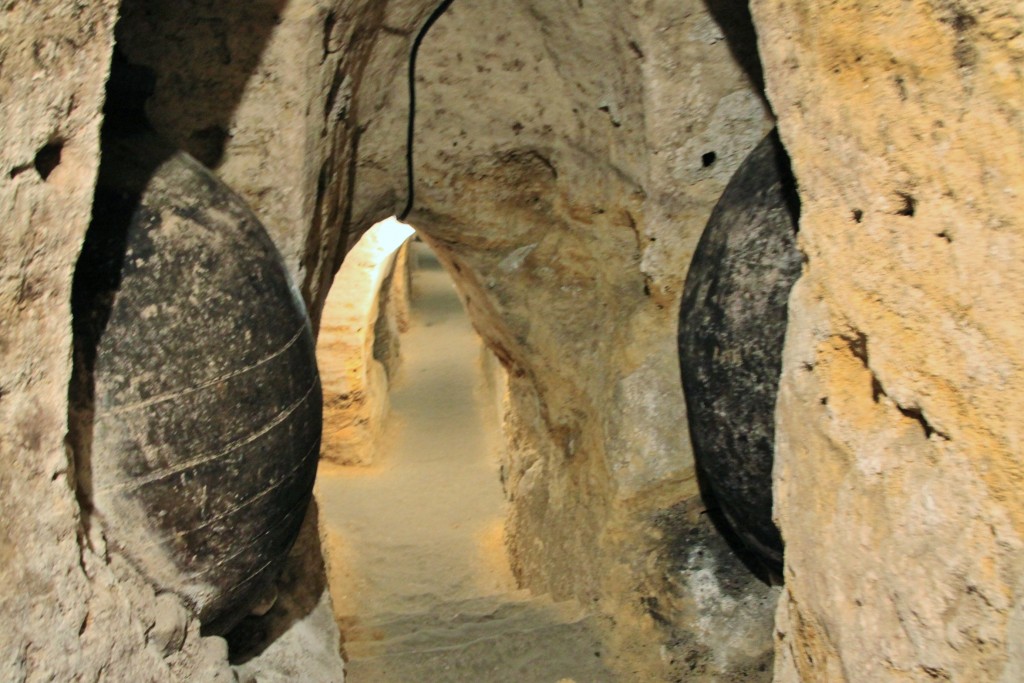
(48, 158)
(858, 215)
(708, 158)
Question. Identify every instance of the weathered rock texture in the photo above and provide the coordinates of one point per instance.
(717, 614)
(899, 466)
(564, 176)
(568, 156)
(358, 346)
(72, 611)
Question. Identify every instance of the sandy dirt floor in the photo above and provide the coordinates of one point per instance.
(427, 518)
(416, 558)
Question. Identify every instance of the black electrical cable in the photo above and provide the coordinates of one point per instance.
(410, 131)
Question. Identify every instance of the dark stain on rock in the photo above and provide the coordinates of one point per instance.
(691, 548)
(901, 87)
(329, 22)
(908, 205)
(858, 343)
(208, 144)
(32, 426)
(962, 22)
(651, 607)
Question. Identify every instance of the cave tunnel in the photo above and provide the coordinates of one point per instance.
(738, 373)
(532, 204)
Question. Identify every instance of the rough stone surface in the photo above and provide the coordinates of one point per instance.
(732, 324)
(563, 202)
(196, 396)
(170, 624)
(568, 157)
(297, 639)
(899, 467)
(570, 188)
(264, 92)
(357, 348)
(566, 194)
(72, 610)
(718, 615)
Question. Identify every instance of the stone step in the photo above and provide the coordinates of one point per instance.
(519, 642)
(446, 616)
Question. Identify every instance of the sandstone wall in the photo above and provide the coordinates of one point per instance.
(564, 173)
(568, 155)
(358, 346)
(265, 94)
(900, 460)
(71, 610)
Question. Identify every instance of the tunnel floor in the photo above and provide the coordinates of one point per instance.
(418, 570)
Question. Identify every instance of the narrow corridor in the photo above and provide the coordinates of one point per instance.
(426, 519)
(419, 574)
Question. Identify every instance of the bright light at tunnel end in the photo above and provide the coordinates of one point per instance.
(391, 232)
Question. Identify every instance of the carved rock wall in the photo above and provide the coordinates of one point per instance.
(898, 477)
(565, 170)
(265, 94)
(358, 349)
(72, 611)
(567, 158)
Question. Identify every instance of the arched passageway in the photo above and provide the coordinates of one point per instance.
(415, 548)
(413, 523)
(565, 221)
